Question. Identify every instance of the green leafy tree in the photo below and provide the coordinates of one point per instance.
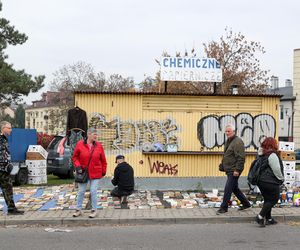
(20, 117)
(8, 118)
(13, 83)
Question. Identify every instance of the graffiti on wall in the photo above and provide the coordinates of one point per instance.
(162, 168)
(134, 135)
(211, 129)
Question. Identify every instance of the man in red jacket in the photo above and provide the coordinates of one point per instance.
(89, 156)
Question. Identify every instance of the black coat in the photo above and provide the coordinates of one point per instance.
(266, 174)
(124, 177)
(76, 119)
(4, 152)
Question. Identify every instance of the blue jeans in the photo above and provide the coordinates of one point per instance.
(93, 189)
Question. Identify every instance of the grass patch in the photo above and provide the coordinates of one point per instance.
(52, 180)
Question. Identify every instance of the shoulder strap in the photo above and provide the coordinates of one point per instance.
(91, 155)
(229, 145)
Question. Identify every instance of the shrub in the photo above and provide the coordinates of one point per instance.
(44, 139)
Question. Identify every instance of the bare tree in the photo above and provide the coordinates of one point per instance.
(81, 76)
(78, 76)
(116, 82)
(240, 65)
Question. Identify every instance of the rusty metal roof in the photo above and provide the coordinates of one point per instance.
(184, 94)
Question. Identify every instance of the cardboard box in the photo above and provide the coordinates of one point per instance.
(289, 175)
(35, 180)
(286, 146)
(37, 171)
(36, 152)
(287, 156)
(289, 165)
(297, 175)
(288, 184)
(30, 164)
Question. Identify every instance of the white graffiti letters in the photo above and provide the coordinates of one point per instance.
(133, 135)
(251, 129)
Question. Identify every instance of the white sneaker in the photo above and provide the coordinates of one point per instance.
(93, 214)
(123, 199)
(77, 213)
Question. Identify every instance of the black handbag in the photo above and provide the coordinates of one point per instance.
(221, 167)
(82, 175)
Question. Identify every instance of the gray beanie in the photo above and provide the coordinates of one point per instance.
(92, 131)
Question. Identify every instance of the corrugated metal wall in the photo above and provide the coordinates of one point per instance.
(128, 123)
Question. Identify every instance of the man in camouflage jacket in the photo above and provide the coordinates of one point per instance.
(6, 168)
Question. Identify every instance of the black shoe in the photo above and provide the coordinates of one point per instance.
(271, 222)
(241, 208)
(221, 211)
(15, 212)
(261, 222)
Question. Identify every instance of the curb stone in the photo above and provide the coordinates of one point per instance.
(40, 221)
(149, 217)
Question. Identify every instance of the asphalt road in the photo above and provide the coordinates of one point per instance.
(189, 236)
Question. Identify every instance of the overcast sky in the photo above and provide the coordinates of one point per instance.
(126, 36)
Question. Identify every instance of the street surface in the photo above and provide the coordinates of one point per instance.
(188, 236)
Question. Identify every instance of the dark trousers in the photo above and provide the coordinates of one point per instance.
(270, 192)
(7, 190)
(117, 192)
(232, 186)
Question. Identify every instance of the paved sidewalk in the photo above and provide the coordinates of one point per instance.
(143, 216)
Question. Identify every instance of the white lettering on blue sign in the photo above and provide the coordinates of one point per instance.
(190, 69)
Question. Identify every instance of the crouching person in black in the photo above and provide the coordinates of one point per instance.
(123, 179)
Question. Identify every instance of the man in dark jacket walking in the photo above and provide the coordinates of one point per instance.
(233, 165)
(5, 169)
(123, 179)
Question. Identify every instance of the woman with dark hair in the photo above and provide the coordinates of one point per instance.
(270, 179)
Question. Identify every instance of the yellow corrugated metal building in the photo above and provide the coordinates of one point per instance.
(134, 123)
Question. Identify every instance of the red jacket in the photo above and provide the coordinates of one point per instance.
(81, 156)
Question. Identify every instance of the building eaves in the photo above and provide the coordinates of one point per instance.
(172, 94)
(41, 107)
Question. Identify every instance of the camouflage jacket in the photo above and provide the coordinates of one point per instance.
(4, 152)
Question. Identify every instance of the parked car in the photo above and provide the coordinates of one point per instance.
(59, 155)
